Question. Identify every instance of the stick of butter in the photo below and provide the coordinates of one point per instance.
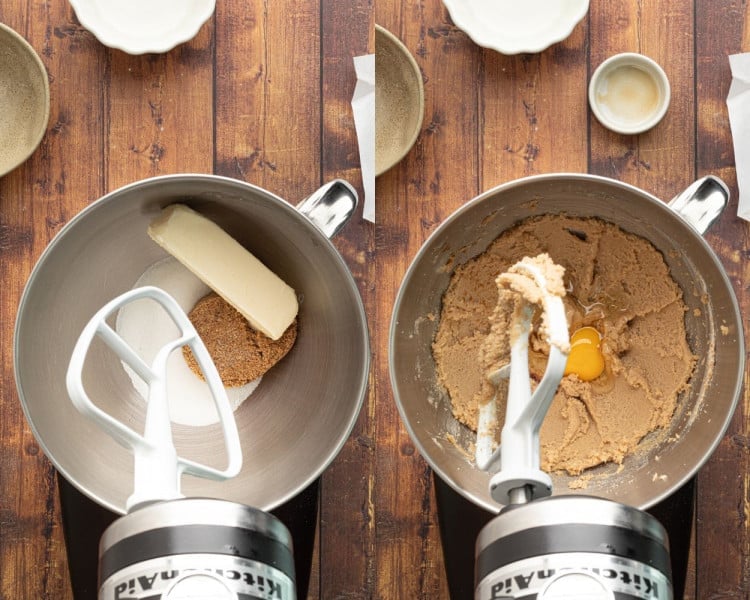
(224, 265)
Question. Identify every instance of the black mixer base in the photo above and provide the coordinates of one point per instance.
(458, 535)
(84, 521)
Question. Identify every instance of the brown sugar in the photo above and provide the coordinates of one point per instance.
(239, 352)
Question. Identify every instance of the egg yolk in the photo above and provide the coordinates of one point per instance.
(585, 359)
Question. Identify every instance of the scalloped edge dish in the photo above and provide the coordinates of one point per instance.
(513, 27)
(143, 26)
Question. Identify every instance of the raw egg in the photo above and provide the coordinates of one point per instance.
(585, 359)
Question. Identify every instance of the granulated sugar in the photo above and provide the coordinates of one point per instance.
(146, 327)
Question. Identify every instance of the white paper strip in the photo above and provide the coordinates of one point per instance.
(738, 104)
(363, 106)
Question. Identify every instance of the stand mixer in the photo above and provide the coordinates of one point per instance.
(561, 547)
(168, 546)
(294, 427)
(676, 229)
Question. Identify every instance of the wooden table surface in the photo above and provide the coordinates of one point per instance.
(262, 94)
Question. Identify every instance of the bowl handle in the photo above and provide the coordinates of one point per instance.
(331, 206)
(702, 202)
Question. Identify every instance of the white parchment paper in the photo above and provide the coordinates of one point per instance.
(363, 106)
(738, 104)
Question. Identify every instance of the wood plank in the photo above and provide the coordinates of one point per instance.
(439, 173)
(240, 89)
(534, 112)
(347, 529)
(267, 112)
(35, 201)
(160, 112)
(723, 487)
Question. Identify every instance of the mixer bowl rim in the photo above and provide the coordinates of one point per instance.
(560, 178)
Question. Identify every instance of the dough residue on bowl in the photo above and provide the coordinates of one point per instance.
(617, 283)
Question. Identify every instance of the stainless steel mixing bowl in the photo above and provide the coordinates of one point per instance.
(669, 457)
(292, 426)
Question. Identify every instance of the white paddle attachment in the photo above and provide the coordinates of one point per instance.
(157, 467)
(527, 291)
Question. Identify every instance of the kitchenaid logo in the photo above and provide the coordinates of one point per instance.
(150, 585)
(629, 578)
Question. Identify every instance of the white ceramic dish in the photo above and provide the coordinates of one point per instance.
(629, 93)
(513, 26)
(143, 26)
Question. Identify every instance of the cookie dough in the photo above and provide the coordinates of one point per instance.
(617, 283)
(240, 353)
(517, 291)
